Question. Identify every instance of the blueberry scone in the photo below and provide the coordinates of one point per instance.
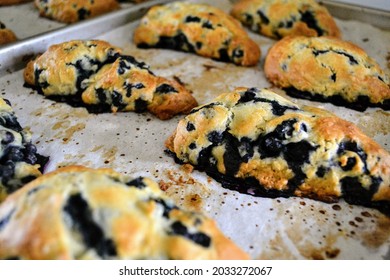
(74, 10)
(258, 143)
(81, 213)
(197, 28)
(280, 18)
(98, 76)
(19, 161)
(328, 69)
(6, 35)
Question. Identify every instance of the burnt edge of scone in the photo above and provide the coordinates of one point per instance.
(180, 42)
(75, 100)
(361, 104)
(250, 186)
(14, 154)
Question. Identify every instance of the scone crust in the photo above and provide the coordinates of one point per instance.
(280, 18)
(268, 146)
(6, 35)
(327, 67)
(97, 75)
(197, 28)
(124, 218)
(74, 10)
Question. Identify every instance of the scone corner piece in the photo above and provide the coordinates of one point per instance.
(81, 213)
(328, 69)
(257, 142)
(197, 28)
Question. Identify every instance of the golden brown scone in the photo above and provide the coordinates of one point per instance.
(328, 69)
(19, 161)
(6, 35)
(258, 143)
(12, 2)
(81, 213)
(197, 28)
(280, 18)
(74, 10)
(98, 76)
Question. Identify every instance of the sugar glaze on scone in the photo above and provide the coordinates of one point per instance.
(328, 69)
(19, 161)
(280, 18)
(71, 11)
(256, 142)
(98, 76)
(197, 28)
(81, 213)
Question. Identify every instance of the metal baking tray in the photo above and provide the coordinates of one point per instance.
(130, 143)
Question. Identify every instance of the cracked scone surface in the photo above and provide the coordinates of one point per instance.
(258, 143)
(329, 70)
(6, 35)
(96, 75)
(74, 10)
(19, 161)
(81, 213)
(197, 28)
(280, 18)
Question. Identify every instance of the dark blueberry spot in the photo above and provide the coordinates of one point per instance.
(166, 207)
(192, 19)
(263, 18)
(277, 109)
(270, 146)
(138, 183)
(140, 105)
(93, 236)
(14, 154)
(248, 19)
(199, 238)
(5, 220)
(207, 25)
(333, 77)
(198, 45)
(231, 158)
(117, 100)
(192, 146)
(350, 57)
(353, 147)
(11, 122)
(308, 18)
(215, 137)
(285, 129)
(351, 162)
(38, 82)
(299, 152)
(321, 171)
(190, 126)
(165, 88)
(8, 138)
(101, 95)
(238, 53)
(83, 13)
(318, 52)
(223, 55)
(2, 26)
(178, 42)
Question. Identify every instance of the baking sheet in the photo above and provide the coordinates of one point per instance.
(25, 21)
(293, 228)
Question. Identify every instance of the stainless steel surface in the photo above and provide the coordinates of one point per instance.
(376, 17)
(14, 56)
